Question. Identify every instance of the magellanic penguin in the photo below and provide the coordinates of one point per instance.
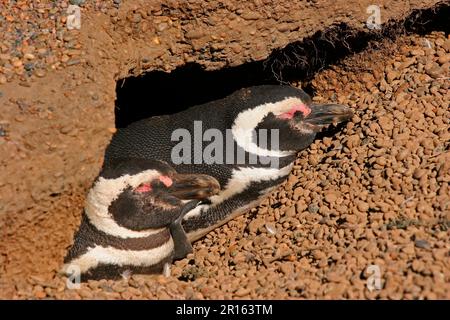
(132, 219)
(217, 140)
(283, 114)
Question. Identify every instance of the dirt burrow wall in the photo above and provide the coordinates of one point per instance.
(59, 122)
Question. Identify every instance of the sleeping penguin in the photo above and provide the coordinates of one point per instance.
(285, 112)
(121, 230)
(132, 219)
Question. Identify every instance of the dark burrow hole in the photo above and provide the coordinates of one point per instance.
(157, 92)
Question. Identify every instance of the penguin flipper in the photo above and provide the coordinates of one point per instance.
(182, 246)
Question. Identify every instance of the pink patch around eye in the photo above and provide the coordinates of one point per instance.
(303, 109)
(300, 107)
(166, 180)
(145, 187)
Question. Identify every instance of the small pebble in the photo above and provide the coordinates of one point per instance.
(313, 208)
(423, 244)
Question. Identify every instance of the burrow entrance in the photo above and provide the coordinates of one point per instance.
(157, 92)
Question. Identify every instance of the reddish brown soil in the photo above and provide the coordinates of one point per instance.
(375, 194)
(52, 115)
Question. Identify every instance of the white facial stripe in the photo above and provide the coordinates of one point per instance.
(241, 179)
(104, 192)
(108, 255)
(248, 120)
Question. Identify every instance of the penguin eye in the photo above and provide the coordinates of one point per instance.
(167, 181)
(162, 182)
(297, 111)
(144, 187)
(298, 116)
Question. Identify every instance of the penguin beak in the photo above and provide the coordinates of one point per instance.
(325, 114)
(193, 186)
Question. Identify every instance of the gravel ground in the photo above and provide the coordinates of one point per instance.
(35, 38)
(374, 194)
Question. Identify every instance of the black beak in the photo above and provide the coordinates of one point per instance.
(325, 114)
(193, 186)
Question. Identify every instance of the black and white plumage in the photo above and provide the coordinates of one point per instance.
(242, 185)
(132, 219)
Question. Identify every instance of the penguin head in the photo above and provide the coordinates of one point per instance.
(292, 113)
(143, 177)
(128, 193)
